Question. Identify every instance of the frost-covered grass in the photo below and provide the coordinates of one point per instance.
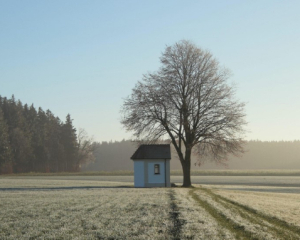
(69, 208)
(199, 224)
(238, 221)
(119, 213)
(284, 206)
(243, 220)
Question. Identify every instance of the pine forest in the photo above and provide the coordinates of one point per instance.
(34, 140)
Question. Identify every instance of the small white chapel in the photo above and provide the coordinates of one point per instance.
(152, 165)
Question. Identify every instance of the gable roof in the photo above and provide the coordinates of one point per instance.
(153, 151)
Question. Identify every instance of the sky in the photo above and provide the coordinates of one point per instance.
(84, 57)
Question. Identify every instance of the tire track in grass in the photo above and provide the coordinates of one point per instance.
(280, 228)
(283, 229)
(237, 230)
(176, 228)
(248, 218)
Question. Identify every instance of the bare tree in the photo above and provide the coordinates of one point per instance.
(189, 101)
(85, 148)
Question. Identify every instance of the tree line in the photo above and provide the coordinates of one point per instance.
(113, 156)
(36, 140)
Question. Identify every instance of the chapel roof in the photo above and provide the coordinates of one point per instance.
(153, 151)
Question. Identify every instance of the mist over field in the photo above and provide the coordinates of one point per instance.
(113, 156)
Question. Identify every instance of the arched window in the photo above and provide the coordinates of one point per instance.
(156, 169)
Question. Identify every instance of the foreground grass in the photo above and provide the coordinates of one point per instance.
(44, 208)
(116, 213)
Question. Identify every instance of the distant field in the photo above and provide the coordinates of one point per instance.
(270, 172)
(81, 208)
(227, 172)
(283, 184)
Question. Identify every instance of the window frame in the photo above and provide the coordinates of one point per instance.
(156, 169)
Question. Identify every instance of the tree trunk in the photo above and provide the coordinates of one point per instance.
(186, 168)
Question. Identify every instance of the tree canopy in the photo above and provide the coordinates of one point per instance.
(189, 101)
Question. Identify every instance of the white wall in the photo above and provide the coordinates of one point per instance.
(139, 174)
(156, 178)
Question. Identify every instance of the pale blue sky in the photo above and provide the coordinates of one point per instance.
(84, 57)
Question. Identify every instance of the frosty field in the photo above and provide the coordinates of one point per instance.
(89, 208)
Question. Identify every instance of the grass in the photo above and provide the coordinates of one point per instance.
(107, 213)
(44, 209)
(237, 230)
(175, 231)
(243, 218)
(199, 223)
(283, 207)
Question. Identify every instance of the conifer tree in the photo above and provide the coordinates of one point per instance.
(30, 116)
(54, 142)
(5, 149)
(69, 141)
(41, 150)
